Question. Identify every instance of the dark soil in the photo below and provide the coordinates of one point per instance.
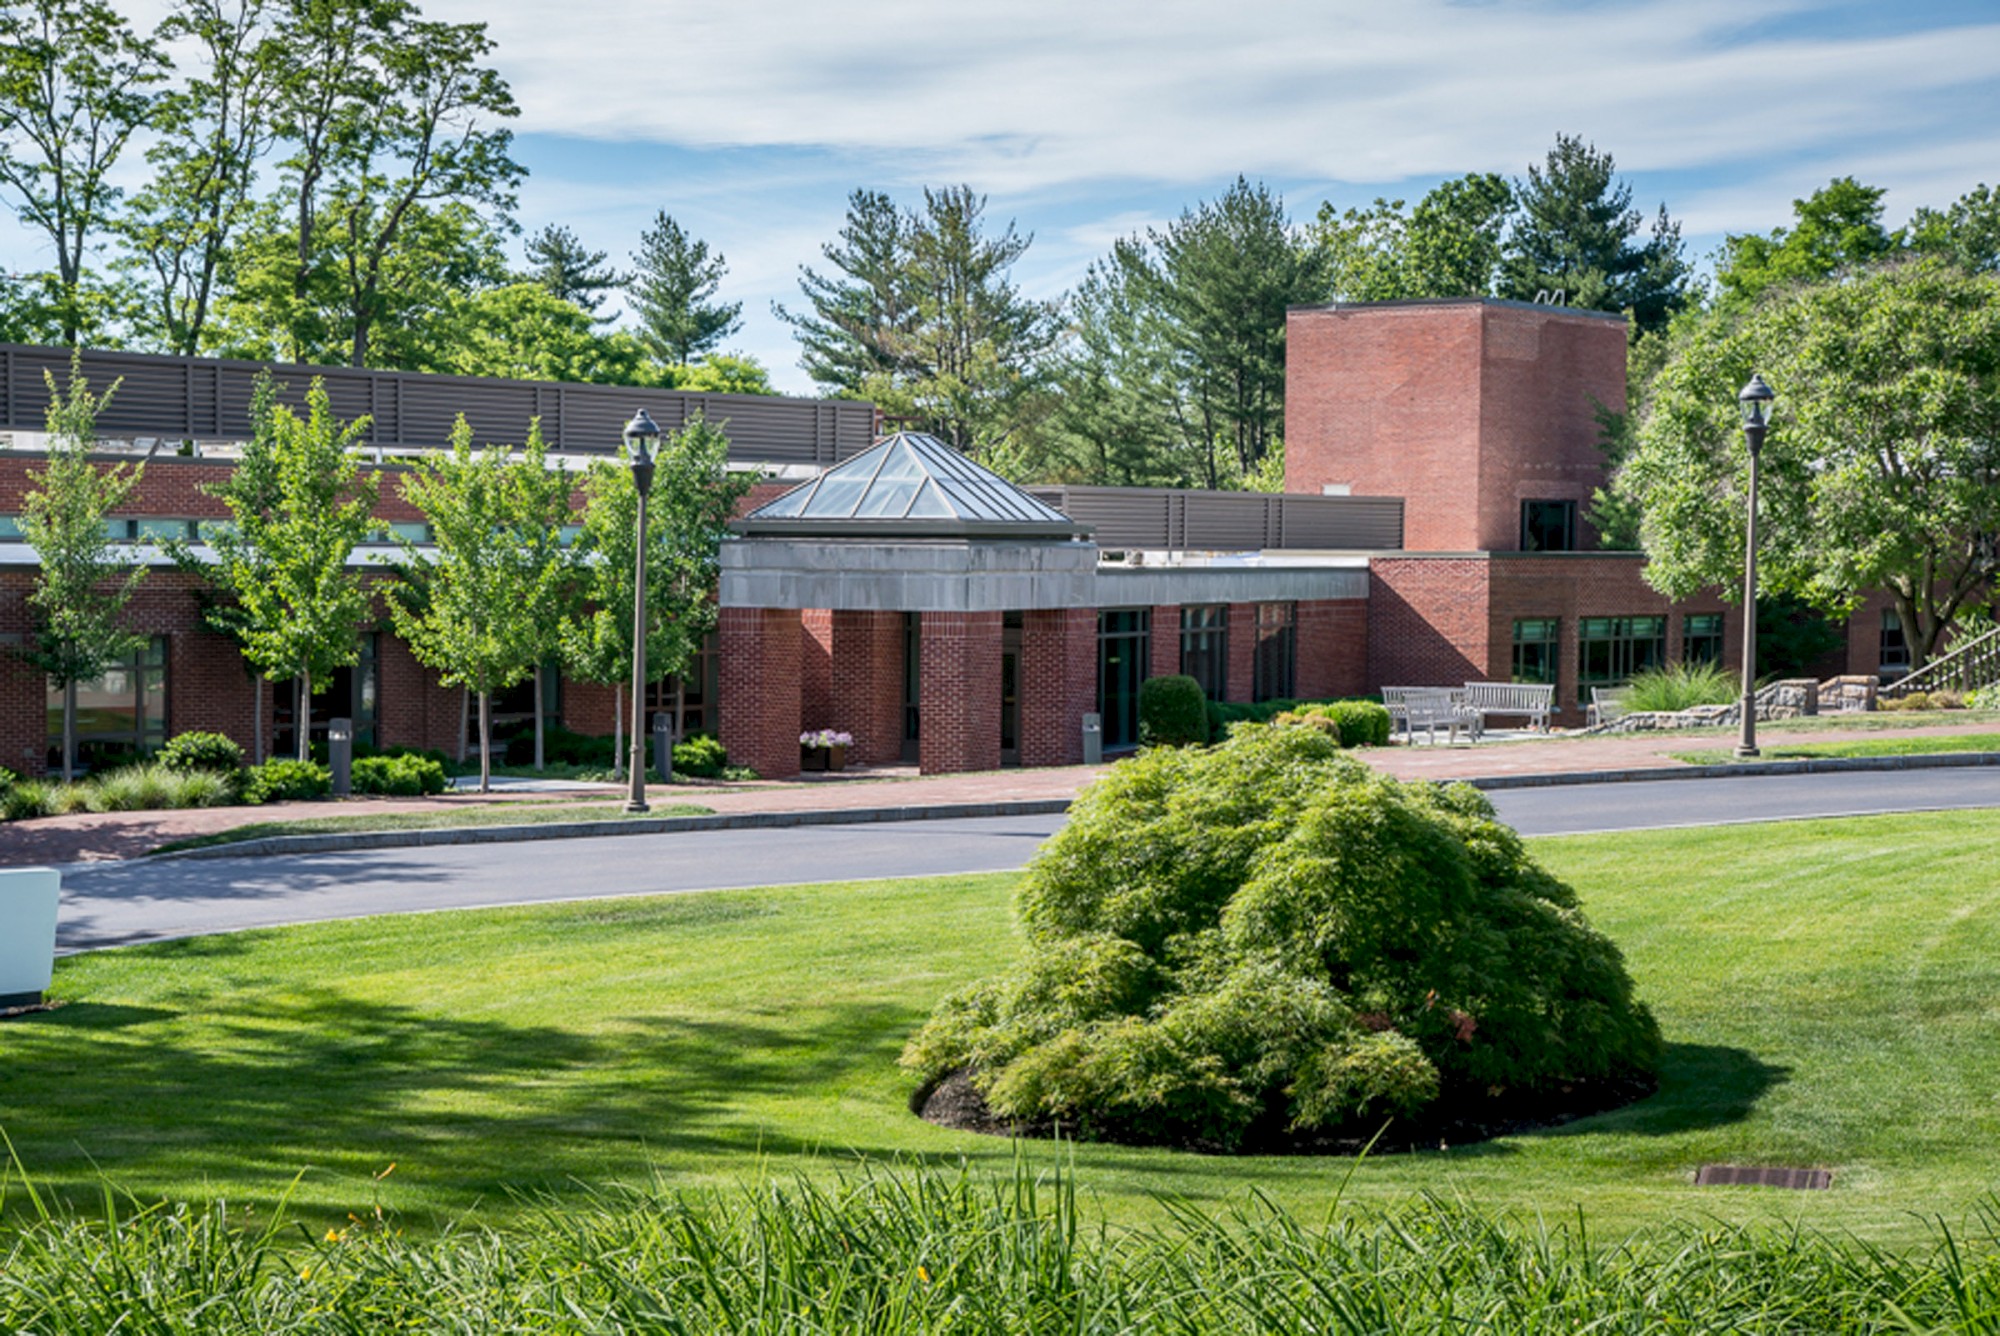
(1458, 1118)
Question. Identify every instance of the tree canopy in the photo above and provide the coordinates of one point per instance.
(672, 285)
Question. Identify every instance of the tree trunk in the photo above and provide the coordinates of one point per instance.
(618, 731)
(464, 710)
(486, 742)
(680, 707)
(69, 732)
(302, 714)
(538, 718)
(257, 734)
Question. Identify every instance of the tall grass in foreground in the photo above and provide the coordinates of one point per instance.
(925, 1251)
(1682, 686)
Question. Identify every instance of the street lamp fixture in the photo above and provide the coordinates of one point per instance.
(1755, 400)
(642, 437)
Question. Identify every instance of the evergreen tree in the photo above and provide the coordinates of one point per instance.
(673, 281)
(859, 317)
(83, 584)
(569, 270)
(1578, 234)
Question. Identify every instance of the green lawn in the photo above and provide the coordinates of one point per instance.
(1829, 992)
(1924, 746)
(492, 814)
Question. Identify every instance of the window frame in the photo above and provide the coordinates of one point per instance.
(1275, 657)
(1205, 647)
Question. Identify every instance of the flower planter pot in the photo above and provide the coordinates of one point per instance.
(28, 899)
(822, 758)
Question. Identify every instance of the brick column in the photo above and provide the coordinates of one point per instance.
(1332, 639)
(816, 670)
(1165, 639)
(1058, 683)
(760, 689)
(1242, 651)
(959, 692)
(867, 684)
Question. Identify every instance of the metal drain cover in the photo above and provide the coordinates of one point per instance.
(1739, 1175)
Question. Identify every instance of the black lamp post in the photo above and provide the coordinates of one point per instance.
(1755, 400)
(641, 436)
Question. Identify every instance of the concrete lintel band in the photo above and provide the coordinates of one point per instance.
(1141, 588)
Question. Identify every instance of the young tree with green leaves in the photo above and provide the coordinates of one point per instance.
(84, 580)
(1449, 245)
(1577, 233)
(692, 499)
(1882, 467)
(540, 499)
(75, 83)
(672, 286)
(294, 523)
(473, 604)
(1838, 229)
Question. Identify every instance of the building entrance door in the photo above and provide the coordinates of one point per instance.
(913, 658)
(1122, 648)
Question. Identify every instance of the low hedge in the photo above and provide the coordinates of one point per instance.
(406, 776)
(1351, 723)
(279, 781)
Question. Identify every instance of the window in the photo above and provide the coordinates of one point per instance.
(1895, 656)
(1701, 638)
(1123, 644)
(1276, 652)
(1548, 526)
(1205, 647)
(1611, 649)
(10, 529)
(700, 683)
(119, 713)
(1535, 641)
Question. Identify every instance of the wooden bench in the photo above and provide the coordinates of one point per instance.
(1606, 704)
(1532, 701)
(1412, 708)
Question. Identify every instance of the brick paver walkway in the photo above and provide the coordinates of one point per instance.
(113, 835)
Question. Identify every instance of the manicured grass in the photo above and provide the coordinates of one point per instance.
(1798, 751)
(1826, 988)
(494, 814)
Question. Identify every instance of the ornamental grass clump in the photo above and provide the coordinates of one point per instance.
(1266, 943)
(1681, 686)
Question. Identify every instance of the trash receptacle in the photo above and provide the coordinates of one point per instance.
(340, 755)
(1093, 739)
(663, 747)
(28, 899)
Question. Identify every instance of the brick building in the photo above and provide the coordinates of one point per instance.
(1440, 460)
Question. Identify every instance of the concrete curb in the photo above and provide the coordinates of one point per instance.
(343, 842)
(575, 830)
(1813, 766)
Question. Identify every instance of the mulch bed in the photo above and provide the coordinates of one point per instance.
(1467, 1119)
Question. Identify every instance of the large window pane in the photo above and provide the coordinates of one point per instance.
(1611, 649)
(1123, 647)
(1276, 651)
(1205, 647)
(1535, 641)
(1701, 638)
(119, 714)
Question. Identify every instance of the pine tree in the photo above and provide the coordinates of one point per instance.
(1578, 234)
(569, 270)
(858, 317)
(673, 281)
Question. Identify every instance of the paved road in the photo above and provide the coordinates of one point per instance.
(122, 903)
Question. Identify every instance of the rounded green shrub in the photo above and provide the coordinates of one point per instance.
(1232, 945)
(404, 776)
(189, 752)
(278, 781)
(701, 756)
(1351, 723)
(1173, 712)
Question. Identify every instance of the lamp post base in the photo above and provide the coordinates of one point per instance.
(634, 807)
(1747, 753)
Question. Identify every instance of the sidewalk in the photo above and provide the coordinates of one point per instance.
(114, 835)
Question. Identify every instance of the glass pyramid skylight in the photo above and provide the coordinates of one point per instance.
(911, 478)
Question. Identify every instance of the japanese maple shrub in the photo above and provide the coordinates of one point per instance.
(1266, 937)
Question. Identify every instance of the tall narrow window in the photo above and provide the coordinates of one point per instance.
(1277, 645)
(1701, 638)
(1548, 526)
(1535, 641)
(1205, 647)
(1123, 647)
(1895, 655)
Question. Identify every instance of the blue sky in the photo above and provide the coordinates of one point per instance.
(750, 121)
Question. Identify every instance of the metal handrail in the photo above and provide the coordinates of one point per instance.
(1977, 657)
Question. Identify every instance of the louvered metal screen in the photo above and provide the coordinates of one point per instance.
(203, 399)
(1160, 519)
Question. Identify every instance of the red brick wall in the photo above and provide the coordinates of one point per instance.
(760, 689)
(816, 670)
(1332, 648)
(413, 709)
(1464, 409)
(1577, 586)
(959, 692)
(1427, 621)
(1242, 645)
(1058, 683)
(1165, 641)
(589, 707)
(867, 684)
